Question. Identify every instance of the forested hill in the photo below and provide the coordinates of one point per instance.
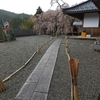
(6, 15)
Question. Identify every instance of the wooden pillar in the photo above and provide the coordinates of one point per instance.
(92, 32)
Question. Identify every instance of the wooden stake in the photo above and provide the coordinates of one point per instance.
(51, 38)
(76, 95)
(2, 86)
(74, 63)
(72, 91)
(47, 42)
(38, 49)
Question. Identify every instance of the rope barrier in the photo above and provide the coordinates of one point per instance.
(73, 66)
(67, 49)
(2, 85)
(19, 68)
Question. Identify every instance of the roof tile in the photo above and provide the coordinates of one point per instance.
(86, 6)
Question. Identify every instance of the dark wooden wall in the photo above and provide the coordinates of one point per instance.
(94, 32)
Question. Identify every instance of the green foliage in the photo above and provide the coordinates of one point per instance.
(39, 10)
(21, 23)
(9, 37)
(26, 24)
(15, 22)
(12, 35)
(1, 36)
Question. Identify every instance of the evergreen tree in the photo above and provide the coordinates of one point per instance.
(39, 10)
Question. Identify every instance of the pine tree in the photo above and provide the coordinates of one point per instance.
(39, 10)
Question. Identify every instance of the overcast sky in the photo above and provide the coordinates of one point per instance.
(30, 6)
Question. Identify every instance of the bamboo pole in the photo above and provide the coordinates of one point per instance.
(2, 85)
(67, 52)
(73, 63)
(68, 55)
(38, 50)
(19, 68)
(73, 66)
(67, 49)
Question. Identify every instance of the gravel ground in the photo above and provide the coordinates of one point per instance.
(89, 61)
(13, 55)
(89, 72)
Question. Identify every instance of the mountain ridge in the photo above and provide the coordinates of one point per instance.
(4, 14)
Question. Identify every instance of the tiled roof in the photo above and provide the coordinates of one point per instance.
(97, 3)
(85, 6)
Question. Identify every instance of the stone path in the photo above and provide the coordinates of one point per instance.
(37, 85)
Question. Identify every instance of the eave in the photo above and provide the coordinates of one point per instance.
(97, 3)
(79, 10)
(80, 15)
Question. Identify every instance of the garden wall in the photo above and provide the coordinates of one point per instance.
(23, 32)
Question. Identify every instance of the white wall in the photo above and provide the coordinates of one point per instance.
(91, 20)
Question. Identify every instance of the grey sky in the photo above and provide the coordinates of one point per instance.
(30, 6)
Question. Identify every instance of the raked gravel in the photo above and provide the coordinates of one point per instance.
(88, 74)
(14, 54)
